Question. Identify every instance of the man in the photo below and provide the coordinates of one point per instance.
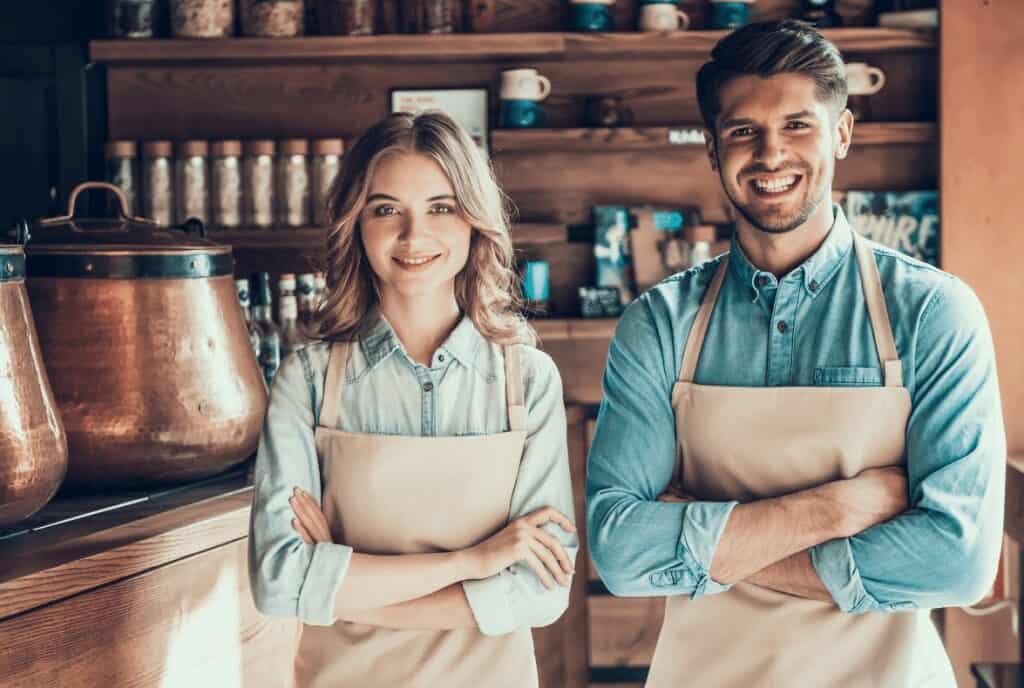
(801, 444)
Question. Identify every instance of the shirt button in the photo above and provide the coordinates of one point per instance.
(428, 386)
(813, 285)
(440, 357)
(782, 326)
(762, 281)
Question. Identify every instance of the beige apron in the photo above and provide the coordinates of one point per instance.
(389, 494)
(750, 443)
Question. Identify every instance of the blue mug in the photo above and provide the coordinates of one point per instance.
(521, 114)
(537, 282)
(591, 16)
(729, 15)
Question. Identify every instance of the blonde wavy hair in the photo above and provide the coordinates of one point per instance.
(486, 289)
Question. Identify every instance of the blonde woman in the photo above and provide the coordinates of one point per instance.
(412, 501)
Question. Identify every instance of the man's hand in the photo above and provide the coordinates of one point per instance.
(869, 498)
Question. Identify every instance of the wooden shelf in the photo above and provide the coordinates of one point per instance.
(472, 47)
(574, 329)
(652, 138)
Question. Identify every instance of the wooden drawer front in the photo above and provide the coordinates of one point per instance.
(624, 631)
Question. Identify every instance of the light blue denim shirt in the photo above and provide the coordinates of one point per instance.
(386, 392)
(940, 552)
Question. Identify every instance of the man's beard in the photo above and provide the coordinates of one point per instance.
(787, 224)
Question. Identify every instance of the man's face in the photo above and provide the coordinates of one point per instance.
(776, 149)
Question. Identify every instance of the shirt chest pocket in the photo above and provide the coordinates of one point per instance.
(847, 376)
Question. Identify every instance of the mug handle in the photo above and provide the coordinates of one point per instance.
(545, 87)
(684, 20)
(878, 77)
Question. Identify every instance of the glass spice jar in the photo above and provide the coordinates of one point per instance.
(202, 18)
(272, 18)
(130, 18)
(192, 181)
(347, 17)
(226, 183)
(122, 171)
(157, 182)
(293, 182)
(439, 16)
(326, 165)
(258, 181)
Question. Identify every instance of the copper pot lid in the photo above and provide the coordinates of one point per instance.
(122, 247)
(12, 263)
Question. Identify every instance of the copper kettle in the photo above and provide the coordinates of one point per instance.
(146, 347)
(33, 448)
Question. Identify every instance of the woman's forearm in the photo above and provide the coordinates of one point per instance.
(373, 581)
(445, 609)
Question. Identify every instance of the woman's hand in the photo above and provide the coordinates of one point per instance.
(524, 540)
(309, 522)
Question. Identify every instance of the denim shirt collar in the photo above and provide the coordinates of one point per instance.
(379, 341)
(817, 270)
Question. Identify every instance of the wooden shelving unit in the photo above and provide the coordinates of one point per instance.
(471, 47)
(649, 138)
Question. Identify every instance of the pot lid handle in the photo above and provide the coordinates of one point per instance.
(73, 198)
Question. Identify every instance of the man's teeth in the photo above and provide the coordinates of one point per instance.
(775, 185)
(415, 261)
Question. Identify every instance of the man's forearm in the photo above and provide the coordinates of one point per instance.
(445, 609)
(762, 533)
(795, 575)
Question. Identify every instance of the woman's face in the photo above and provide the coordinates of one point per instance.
(414, 236)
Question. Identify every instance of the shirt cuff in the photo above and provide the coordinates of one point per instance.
(833, 560)
(488, 601)
(326, 570)
(703, 524)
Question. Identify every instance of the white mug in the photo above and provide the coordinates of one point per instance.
(663, 16)
(524, 84)
(863, 80)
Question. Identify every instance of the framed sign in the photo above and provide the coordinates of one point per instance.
(467, 106)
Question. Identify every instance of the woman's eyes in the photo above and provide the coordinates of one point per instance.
(390, 210)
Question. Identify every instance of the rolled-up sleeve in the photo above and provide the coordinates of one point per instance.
(515, 598)
(640, 546)
(944, 550)
(289, 577)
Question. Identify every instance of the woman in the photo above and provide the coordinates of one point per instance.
(412, 503)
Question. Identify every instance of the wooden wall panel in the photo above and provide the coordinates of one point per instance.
(624, 631)
(190, 623)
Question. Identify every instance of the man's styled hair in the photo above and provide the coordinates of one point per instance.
(765, 49)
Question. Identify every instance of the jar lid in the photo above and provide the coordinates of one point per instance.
(222, 149)
(328, 147)
(293, 147)
(122, 247)
(694, 233)
(193, 148)
(12, 263)
(120, 149)
(259, 147)
(156, 149)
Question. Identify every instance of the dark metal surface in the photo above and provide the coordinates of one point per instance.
(33, 449)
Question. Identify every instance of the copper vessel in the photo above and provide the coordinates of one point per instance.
(33, 448)
(145, 346)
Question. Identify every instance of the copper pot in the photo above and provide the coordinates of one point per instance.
(33, 448)
(145, 346)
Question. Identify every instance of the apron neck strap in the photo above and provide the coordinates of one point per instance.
(330, 406)
(695, 341)
(879, 314)
(514, 387)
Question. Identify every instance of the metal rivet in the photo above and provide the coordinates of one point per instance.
(10, 268)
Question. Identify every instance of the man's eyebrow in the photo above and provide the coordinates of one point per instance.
(803, 114)
(736, 122)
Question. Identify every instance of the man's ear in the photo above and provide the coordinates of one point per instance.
(709, 146)
(844, 131)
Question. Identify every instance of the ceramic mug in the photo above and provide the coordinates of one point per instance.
(663, 16)
(524, 84)
(729, 14)
(591, 15)
(863, 79)
(521, 114)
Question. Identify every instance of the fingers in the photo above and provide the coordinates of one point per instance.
(550, 514)
(534, 562)
(301, 530)
(550, 562)
(553, 545)
(310, 516)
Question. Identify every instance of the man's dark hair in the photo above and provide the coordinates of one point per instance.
(765, 49)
